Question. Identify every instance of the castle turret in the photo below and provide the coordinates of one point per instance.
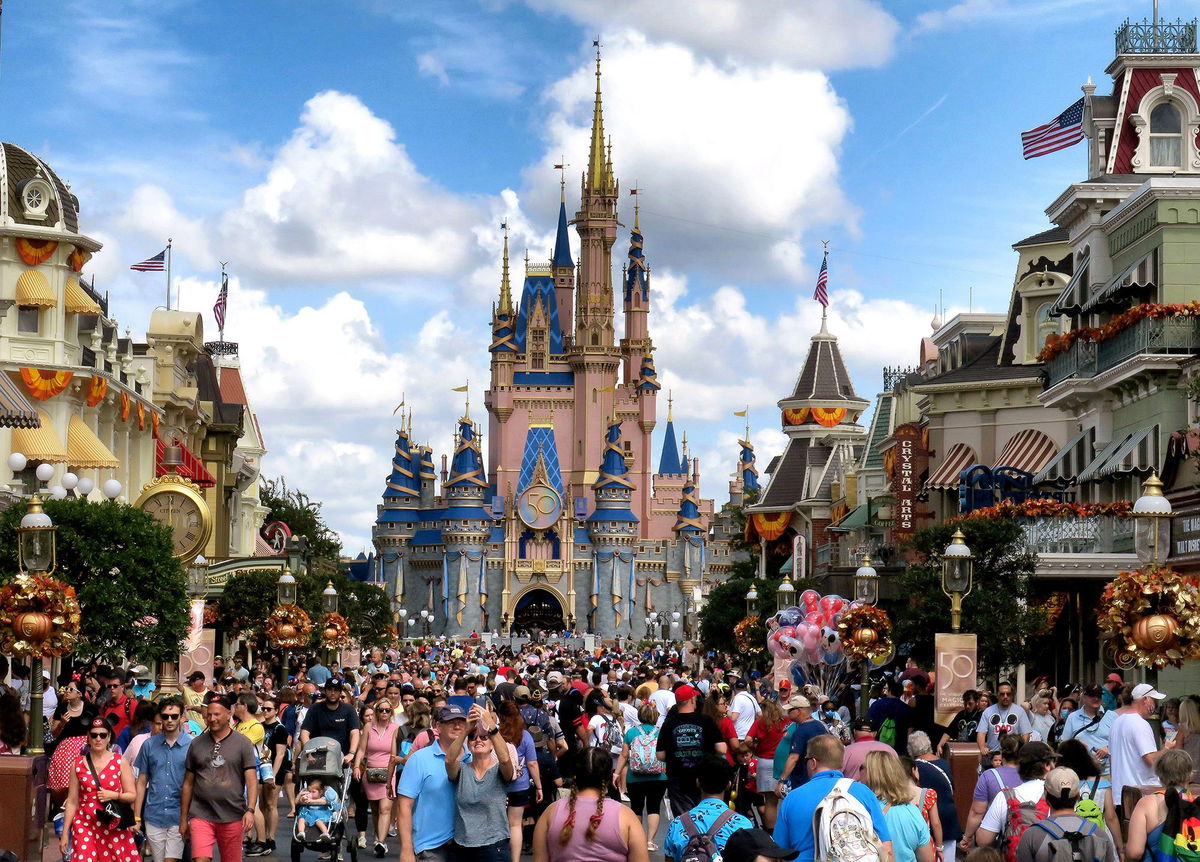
(466, 525)
(668, 462)
(613, 529)
(562, 268)
(636, 344)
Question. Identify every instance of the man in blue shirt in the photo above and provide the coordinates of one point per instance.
(318, 674)
(427, 804)
(795, 771)
(160, 767)
(1091, 724)
(794, 824)
(714, 777)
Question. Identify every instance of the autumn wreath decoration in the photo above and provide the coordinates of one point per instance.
(335, 631)
(289, 626)
(1152, 615)
(1047, 508)
(866, 633)
(39, 616)
(747, 636)
(1056, 345)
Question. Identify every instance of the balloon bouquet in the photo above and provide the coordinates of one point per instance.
(808, 636)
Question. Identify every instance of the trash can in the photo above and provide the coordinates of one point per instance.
(964, 772)
(23, 789)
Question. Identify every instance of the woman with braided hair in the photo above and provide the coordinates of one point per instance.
(587, 826)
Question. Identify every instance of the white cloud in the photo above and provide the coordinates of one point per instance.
(342, 201)
(428, 64)
(971, 12)
(731, 159)
(822, 34)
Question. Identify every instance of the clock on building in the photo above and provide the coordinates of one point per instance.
(539, 506)
(180, 505)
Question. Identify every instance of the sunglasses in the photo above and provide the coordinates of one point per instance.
(115, 685)
(478, 737)
(100, 735)
(174, 717)
(384, 711)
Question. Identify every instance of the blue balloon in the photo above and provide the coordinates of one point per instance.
(790, 616)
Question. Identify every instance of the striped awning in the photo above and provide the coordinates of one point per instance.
(1071, 299)
(33, 289)
(192, 467)
(40, 443)
(1141, 273)
(1070, 460)
(1138, 454)
(84, 448)
(1027, 450)
(76, 300)
(945, 477)
(15, 409)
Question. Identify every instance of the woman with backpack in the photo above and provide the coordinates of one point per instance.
(526, 786)
(1095, 791)
(641, 774)
(911, 839)
(1164, 813)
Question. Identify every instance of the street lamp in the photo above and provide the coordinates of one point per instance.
(957, 570)
(751, 600)
(426, 622)
(36, 556)
(285, 588)
(866, 592)
(785, 593)
(197, 576)
(1152, 522)
(329, 604)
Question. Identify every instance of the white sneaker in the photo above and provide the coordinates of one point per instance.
(362, 840)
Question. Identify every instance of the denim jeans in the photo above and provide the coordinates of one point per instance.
(498, 852)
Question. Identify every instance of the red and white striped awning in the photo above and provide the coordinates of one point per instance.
(945, 477)
(1029, 450)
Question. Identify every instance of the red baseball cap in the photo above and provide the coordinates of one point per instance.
(685, 692)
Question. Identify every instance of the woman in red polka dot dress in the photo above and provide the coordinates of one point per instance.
(90, 840)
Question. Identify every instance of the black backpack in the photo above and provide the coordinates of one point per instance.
(702, 846)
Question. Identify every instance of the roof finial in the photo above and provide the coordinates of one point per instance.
(597, 179)
(505, 289)
(561, 167)
(670, 404)
(636, 206)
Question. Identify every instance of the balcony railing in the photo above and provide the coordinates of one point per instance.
(1161, 38)
(1095, 535)
(1179, 335)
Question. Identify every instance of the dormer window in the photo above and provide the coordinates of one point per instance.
(35, 198)
(1166, 136)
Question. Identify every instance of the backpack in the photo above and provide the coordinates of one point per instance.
(1068, 845)
(643, 754)
(1020, 816)
(1088, 808)
(887, 732)
(1180, 839)
(842, 828)
(702, 846)
(613, 738)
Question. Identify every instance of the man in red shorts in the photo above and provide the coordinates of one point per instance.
(220, 786)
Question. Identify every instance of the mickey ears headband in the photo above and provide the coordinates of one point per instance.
(100, 722)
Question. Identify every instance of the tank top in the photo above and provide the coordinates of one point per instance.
(608, 845)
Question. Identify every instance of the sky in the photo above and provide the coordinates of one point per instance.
(352, 163)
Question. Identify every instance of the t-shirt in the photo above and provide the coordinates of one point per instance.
(633, 733)
(768, 737)
(997, 813)
(997, 719)
(219, 776)
(277, 735)
(570, 716)
(962, 728)
(598, 732)
(663, 700)
(804, 731)
(336, 723)
(794, 825)
(897, 710)
(747, 710)
(318, 675)
(685, 738)
(1094, 846)
(908, 829)
(992, 780)
(525, 753)
(1131, 738)
(935, 775)
(252, 729)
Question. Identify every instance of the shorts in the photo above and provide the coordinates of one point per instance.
(225, 836)
(646, 796)
(314, 814)
(498, 852)
(445, 853)
(520, 798)
(164, 842)
(682, 799)
(764, 777)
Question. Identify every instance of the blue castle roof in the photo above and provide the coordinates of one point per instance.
(635, 270)
(688, 519)
(467, 467)
(746, 466)
(668, 464)
(648, 376)
(613, 472)
(562, 240)
(539, 440)
(503, 340)
(403, 484)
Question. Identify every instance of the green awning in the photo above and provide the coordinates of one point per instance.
(786, 568)
(852, 520)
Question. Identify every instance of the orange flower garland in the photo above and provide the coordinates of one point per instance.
(39, 594)
(1045, 508)
(289, 626)
(795, 417)
(865, 616)
(336, 623)
(1056, 345)
(1154, 589)
(828, 418)
(770, 525)
(78, 257)
(97, 389)
(35, 251)
(44, 383)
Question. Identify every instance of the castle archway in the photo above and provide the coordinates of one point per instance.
(538, 610)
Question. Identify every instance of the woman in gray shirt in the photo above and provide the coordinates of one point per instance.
(481, 789)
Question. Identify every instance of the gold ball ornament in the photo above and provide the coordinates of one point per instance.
(32, 626)
(330, 633)
(865, 636)
(1155, 631)
(287, 631)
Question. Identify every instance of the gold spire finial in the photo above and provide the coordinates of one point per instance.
(597, 179)
(505, 289)
(561, 167)
(637, 205)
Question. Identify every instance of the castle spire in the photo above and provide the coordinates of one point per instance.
(562, 239)
(506, 305)
(669, 461)
(597, 175)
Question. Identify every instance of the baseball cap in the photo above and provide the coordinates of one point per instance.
(1144, 689)
(1061, 782)
(139, 670)
(784, 685)
(536, 694)
(554, 678)
(450, 712)
(333, 683)
(1114, 677)
(746, 845)
(195, 675)
(798, 702)
(1035, 752)
(521, 692)
(685, 693)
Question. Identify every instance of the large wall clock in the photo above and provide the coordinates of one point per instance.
(180, 505)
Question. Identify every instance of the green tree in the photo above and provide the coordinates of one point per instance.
(303, 516)
(997, 610)
(246, 602)
(132, 590)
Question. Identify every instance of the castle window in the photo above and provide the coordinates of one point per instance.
(595, 339)
(537, 361)
(28, 318)
(1166, 136)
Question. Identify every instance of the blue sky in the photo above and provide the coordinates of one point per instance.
(352, 161)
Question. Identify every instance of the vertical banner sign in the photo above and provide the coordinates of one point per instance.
(910, 460)
(955, 669)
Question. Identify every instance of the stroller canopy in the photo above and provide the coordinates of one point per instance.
(320, 758)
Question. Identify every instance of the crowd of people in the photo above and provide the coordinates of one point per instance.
(462, 752)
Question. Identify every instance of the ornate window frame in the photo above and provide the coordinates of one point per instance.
(1167, 91)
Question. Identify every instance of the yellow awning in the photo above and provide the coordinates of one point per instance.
(39, 444)
(76, 299)
(34, 289)
(84, 448)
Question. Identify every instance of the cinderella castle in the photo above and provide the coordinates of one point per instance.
(569, 526)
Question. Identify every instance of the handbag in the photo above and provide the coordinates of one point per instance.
(377, 775)
(113, 814)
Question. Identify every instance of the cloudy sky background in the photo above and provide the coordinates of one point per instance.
(353, 162)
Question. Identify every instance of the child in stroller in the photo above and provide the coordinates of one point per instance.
(317, 804)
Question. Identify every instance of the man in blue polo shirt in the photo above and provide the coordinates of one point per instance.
(794, 824)
(160, 768)
(426, 819)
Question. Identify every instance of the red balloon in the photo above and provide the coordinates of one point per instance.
(836, 604)
(809, 599)
(826, 603)
(813, 617)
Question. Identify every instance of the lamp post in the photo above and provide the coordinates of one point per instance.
(401, 618)
(504, 624)
(329, 604)
(1152, 515)
(785, 593)
(36, 556)
(285, 594)
(751, 600)
(571, 623)
(426, 622)
(866, 591)
(958, 567)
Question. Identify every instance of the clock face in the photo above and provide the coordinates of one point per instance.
(539, 506)
(184, 515)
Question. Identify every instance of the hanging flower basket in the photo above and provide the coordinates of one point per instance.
(1152, 616)
(39, 616)
(1047, 508)
(289, 626)
(866, 633)
(335, 631)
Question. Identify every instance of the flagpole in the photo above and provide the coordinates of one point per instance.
(168, 273)
(221, 328)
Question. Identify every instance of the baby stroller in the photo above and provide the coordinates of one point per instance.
(321, 758)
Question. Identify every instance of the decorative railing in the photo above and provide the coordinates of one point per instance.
(1094, 535)
(1086, 359)
(1162, 37)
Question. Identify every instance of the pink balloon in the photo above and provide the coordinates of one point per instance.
(812, 638)
(786, 632)
(813, 655)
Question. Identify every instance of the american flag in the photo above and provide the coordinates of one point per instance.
(222, 301)
(1063, 131)
(158, 263)
(821, 294)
